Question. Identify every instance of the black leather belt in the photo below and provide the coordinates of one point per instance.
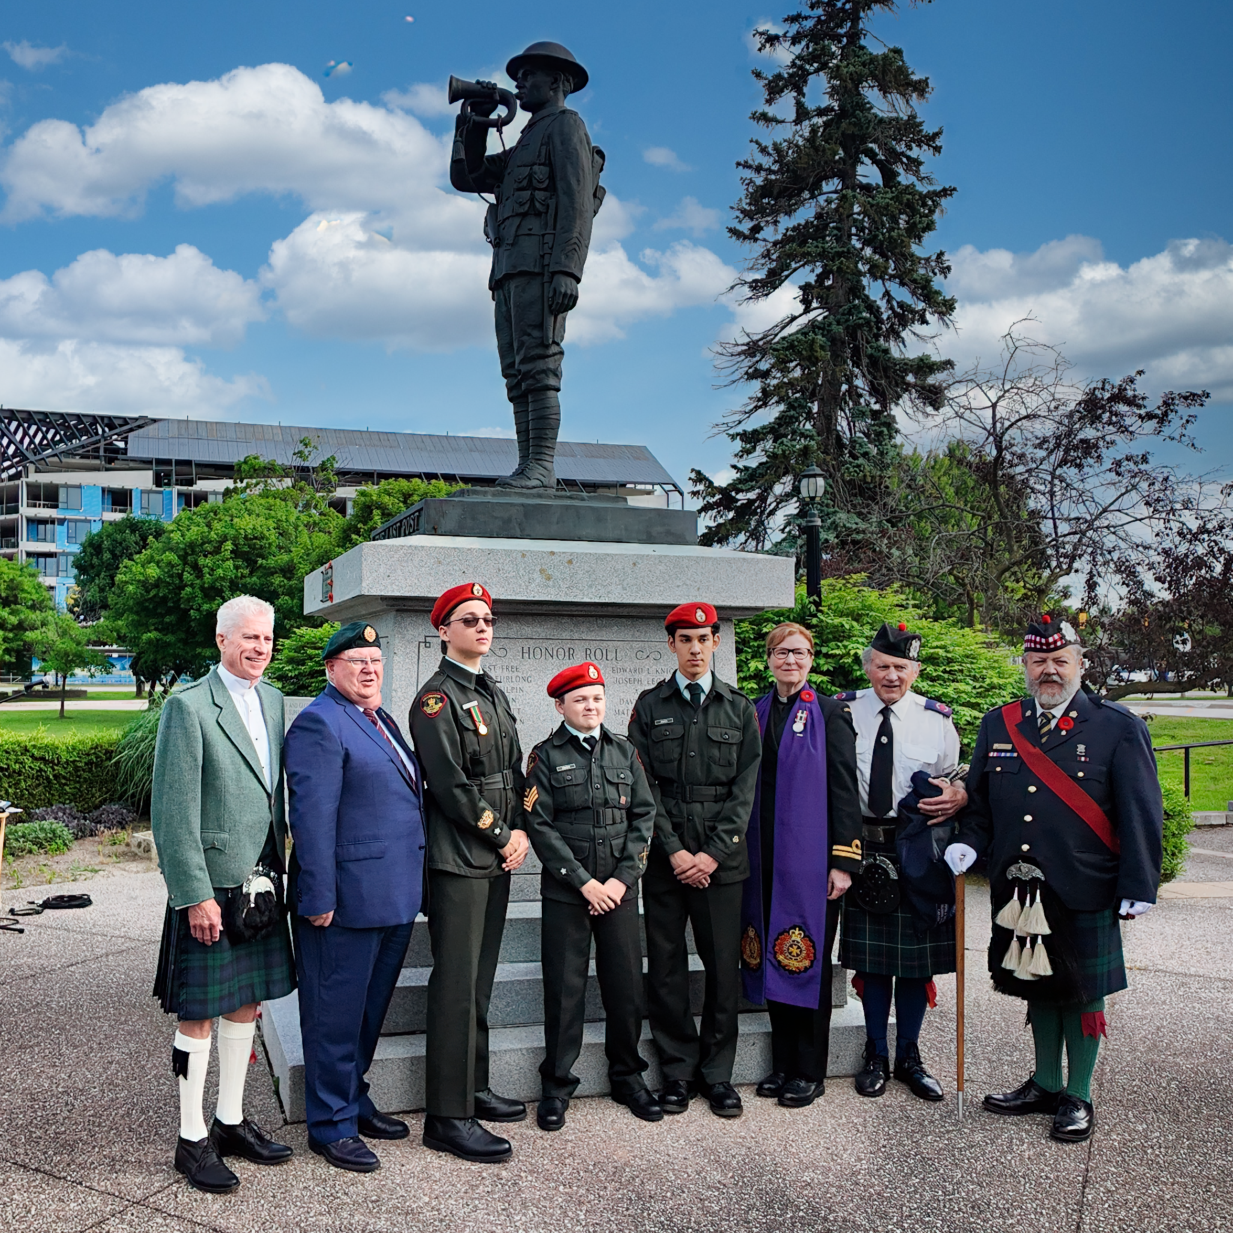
(879, 832)
(503, 779)
(691, 793)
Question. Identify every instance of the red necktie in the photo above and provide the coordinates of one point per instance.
(372, 719)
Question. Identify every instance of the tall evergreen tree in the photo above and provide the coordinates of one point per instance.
(836, 204)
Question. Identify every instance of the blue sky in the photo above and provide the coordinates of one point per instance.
(271, 244)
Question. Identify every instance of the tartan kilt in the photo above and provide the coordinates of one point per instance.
(1095, 940)
(195, 981)
(887, 944)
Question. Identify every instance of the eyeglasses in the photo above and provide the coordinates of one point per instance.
(471, 621)
(782, 653)
(361, 663)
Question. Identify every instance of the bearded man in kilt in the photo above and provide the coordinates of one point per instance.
(216, 809)
(1066, 803)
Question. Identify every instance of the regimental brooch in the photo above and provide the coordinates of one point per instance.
(798, 724)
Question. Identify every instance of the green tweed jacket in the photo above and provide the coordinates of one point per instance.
(209, 808)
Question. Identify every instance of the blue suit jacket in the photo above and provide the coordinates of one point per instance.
(356, 817)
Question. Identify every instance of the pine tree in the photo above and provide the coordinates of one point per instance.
(837, 206)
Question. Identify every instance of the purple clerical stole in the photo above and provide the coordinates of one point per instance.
(783, 961)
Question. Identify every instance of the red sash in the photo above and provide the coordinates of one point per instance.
(1057, 781)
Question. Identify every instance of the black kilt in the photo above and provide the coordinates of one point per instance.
(887, 944)
(195, 981)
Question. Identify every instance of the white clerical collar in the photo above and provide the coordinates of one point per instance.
(236, 684)
(582, 736)
(683, 682)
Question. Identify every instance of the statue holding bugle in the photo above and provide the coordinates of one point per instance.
(545, 194)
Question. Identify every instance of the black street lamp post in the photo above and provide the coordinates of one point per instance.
(811, 487)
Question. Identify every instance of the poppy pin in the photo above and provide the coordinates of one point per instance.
(807, 695)
(1066, 723)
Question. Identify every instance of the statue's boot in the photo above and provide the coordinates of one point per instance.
(522, 429)
(544, 422)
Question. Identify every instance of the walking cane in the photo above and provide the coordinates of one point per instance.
(960, 938)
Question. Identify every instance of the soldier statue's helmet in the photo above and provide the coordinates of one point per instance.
(897, 640)
(552, 56)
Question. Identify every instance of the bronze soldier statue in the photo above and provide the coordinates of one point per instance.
(546, 192)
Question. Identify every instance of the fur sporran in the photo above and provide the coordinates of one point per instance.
(255, 909)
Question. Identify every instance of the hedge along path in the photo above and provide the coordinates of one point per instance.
(40, 770)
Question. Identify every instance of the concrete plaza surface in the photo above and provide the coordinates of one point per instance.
(88, 1114)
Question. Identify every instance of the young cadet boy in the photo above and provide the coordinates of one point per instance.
(589, 814)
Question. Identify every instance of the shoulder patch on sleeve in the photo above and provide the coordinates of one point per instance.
(849, 695)
(432, 704)
(532, 759)
(932, 704)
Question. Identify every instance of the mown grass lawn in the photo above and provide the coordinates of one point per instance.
(74, 723)
(1211, 770)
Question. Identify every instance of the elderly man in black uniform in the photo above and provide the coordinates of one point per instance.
(699, 741)
(1065, 801)
(590, 814)
(466, 739)
(546, 192)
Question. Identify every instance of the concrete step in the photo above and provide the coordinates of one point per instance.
(397, 1073)
(519, 942)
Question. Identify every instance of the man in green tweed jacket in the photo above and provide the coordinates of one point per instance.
(216, 809)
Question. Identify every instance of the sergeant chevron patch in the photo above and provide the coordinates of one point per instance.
(529, 797)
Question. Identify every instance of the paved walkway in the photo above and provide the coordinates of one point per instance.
(88, 1116)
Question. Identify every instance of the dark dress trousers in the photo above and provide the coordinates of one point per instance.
(703, 767)
(466, 738)
(589, 815)
(800, 1037)
(357, 826)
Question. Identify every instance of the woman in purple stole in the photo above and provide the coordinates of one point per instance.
(804, 846)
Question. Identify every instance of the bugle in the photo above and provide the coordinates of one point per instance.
(468, 92)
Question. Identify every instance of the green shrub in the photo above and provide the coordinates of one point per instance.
(27, 838)
(962, 667)
(134, 754)
(296, 668)
(1178, 823)
(38, 770)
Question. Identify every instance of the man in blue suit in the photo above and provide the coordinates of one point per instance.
(356, 882)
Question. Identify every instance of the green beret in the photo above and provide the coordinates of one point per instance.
(357, 634)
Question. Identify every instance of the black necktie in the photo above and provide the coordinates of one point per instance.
(590, 742)
(881, 766)
(695, 694)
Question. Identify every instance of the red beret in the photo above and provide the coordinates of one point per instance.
(691, 616)
(455, 596)
(579, 676)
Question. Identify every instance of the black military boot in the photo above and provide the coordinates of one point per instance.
(544, 422)
(202, 1168)
(772, 1085)
(871, 1080)
(1074, 1120)
(522, 430)
(246, 1139)
(911, 1070)
(465, 1138)
(489, 1107)
(1029, 1097)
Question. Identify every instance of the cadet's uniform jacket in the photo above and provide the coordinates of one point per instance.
(703, 767)
(546, 191)
(1013, 816)
(466, 739)
(588, 815)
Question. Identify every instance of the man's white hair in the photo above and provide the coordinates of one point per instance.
(867, 658)
(235, 612)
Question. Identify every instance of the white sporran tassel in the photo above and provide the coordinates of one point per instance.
(1040, 965)
(1024, 970)
(1011, 961)
(1008, 917)
(1033, 920)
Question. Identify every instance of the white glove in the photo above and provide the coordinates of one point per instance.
(1133, 907)
(959, 857)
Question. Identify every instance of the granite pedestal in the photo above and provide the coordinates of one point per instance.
(558, 601)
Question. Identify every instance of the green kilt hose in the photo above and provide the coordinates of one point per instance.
(195, 981)
(887, 944)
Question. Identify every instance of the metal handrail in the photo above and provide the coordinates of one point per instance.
(1186, 757)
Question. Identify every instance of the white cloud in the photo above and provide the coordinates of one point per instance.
(422, 99)
(1171, 313)
(690, 215)
(27, 56)
(180, 300)
(504, 434)
(661, 156)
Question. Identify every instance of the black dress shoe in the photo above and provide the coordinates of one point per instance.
(489, 1107)
(352, 1154)
(246, 1139)
(382, 1126)
(550, 1112)
(1029, 1098)
(772, 1085)
(724, 1100)
(676, 1095)
(797, 1093)
(465, 1138)
(199, 1162)
(642, 1104)
(871, 1079)
(911, 1070)
(1074, 1120)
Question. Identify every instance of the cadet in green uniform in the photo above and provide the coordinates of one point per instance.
(699, 741)
(590, 814)
(466, 739)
